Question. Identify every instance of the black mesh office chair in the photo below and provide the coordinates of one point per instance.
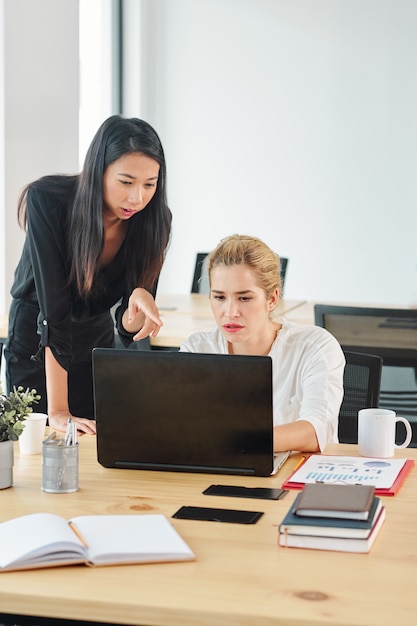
(361, 382)
(283, 271)
(388, 333)
(196, 286)
(200, 282)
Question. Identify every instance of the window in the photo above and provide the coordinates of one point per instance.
(99, 45)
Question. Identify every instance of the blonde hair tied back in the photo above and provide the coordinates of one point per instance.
(250, 251)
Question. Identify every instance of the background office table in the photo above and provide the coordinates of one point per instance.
(185, 314)
(303, 313)
(240, 575)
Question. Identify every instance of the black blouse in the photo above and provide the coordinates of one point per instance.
(42, 275)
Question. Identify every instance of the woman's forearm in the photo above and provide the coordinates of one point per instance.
(57, 392)
(56, 384)
(299, 435)
(142, 315)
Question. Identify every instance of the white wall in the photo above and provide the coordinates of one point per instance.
(293, 120)
(39, 91)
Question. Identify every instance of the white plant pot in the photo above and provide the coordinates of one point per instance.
(6, 464)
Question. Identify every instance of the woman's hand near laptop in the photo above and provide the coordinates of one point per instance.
(142, 315)
(58, 421)
(58, 407)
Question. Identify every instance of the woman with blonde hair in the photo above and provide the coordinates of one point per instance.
(307, 361)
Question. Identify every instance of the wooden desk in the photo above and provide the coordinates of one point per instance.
(303, 314)
(185, 314)
(240, 575)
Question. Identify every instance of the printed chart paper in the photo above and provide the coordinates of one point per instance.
(349, 470)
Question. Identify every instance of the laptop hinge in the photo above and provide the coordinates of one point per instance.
(184, 468)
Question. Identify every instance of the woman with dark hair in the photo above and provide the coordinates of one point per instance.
(92, 240)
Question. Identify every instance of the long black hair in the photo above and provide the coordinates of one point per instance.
(148, 232)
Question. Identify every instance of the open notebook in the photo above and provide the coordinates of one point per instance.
(175, 411)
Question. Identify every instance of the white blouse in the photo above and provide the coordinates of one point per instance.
(307, 369)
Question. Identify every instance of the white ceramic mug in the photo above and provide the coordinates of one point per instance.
(30, 441)
(376, 432)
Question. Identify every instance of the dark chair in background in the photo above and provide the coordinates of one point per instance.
(388, 333)
(1, 354)
(200, 282)
(283, 272)
(197, 286)
(361, 382)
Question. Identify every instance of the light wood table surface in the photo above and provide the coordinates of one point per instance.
(240, 576)
(304, 312)
(184, 314)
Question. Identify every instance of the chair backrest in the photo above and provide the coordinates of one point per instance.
(198, 278)
(388, 333)
(361, 382)
(200, 282)
(283, 272)
(1, 354)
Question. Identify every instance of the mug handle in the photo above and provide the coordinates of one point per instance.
(408, 432)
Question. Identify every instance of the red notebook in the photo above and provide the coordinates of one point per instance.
(297, 480)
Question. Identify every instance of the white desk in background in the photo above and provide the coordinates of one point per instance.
(184, 314)
(304, 314)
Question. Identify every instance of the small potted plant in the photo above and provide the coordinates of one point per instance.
(14, 408)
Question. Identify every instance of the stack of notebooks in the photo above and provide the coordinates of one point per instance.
(345, 518)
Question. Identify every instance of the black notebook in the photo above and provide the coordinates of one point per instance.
(177, 411)
(330, 526)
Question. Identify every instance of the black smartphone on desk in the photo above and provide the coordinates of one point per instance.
(263, 493)
(217, 515)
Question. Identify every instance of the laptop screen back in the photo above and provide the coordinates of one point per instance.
(183, 412)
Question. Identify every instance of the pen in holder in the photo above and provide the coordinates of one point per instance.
(60, 462)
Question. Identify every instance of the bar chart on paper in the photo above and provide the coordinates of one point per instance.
(381, 473)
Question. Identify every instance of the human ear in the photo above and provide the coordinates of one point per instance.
(273, 299)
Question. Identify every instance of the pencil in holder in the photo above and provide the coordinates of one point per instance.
(59, 466)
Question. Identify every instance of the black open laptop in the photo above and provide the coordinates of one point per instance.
(175, 411)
